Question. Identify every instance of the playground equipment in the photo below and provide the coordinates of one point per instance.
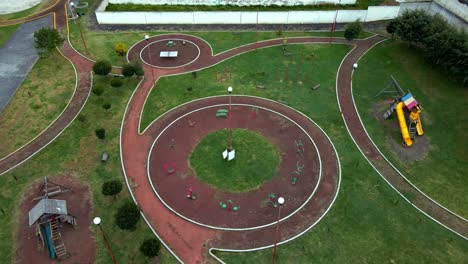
(47, 216)
(407, 108)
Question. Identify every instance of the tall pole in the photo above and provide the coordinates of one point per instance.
(97, 221)
(79, 27)
(230, 119)
(149, 53)
(280, 202)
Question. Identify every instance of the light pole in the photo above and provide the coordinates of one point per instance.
(230, 119)
(97, 221)
(280, 202)
(355, 65)
(79, 27)
(149, 53)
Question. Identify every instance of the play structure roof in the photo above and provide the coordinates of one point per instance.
(47, 206)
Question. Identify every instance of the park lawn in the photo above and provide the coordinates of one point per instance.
(248, 171)
(370, 222)
(442, 172)
(6, 33)
(37, 103)
(77, 153)
(35, 9)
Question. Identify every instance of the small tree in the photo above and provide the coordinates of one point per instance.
(121, 49)
(116, 82)
(279, 33)
(150, 247)
(100, 133)
(128, 70)
(47, 39)
(106, 106)
(102, 67)
(127, 216)
(353, 30)
(392, 27)
(111, 187)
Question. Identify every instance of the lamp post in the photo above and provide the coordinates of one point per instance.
(355, 65)
(97, 221)
(149, 53)
(280, 202)
(79, 27)
(230, 119)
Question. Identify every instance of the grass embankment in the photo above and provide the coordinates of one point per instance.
(35, 9)
(370, 222)
(250, 169)
(442, 172)
(37, 102)
(188, 8)
(77, 153)
(6, 33)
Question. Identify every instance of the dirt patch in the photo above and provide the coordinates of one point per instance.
(80, 242)
(416, 152)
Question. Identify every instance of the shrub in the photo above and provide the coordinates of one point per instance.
(189, 89)
(392, 27)
(100, 133)
(98, 90)
(121, 49)
(138, 69)
(47, 39)
(194, 74)
(128, 70)
(111, 187)
(82, 118)
(106, 106)
(116, 82)
(353, 30)
(150, 247)
(279, 32)
(102, 67)
(127, 216)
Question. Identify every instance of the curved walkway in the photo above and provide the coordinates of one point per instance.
(394, 178)
(83, 69)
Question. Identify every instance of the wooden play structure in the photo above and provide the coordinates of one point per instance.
(48, 217)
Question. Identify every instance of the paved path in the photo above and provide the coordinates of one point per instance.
(17, 57)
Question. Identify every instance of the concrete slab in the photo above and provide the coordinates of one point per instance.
(17, 57)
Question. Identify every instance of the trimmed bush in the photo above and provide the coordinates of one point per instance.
(111, 187)
(98, 90)
(100, 133)
(106, 106)
(138, 69)
(102, 67)
(127, 216)
(116, 82)
(121, 49)
(128, 70)
(353, 30)
(150, 247)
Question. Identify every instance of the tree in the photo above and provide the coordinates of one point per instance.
(128, 70)
(100, 133)
(47, 39)
(414, 26)
(102, 67)
(392, 27)
(127, 216)
(121, 49)
(138, 69)
(150, 247)
(111, 187)
(353, 30)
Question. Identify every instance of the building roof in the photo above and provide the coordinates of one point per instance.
(47, 206)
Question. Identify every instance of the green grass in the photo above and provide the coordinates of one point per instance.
(77, 153)
(35, 9)
(6, 33)
(185, 8)
(370, 222)
(251, 167)
(39, 100)
(442, 172)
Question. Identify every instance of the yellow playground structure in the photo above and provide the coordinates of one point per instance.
(407, 108)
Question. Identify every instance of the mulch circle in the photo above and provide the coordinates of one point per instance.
(174, 145)
(80, 242)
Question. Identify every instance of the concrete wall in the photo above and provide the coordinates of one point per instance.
(288, 17)
(232, 2)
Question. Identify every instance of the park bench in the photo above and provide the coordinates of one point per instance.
(222, 113)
